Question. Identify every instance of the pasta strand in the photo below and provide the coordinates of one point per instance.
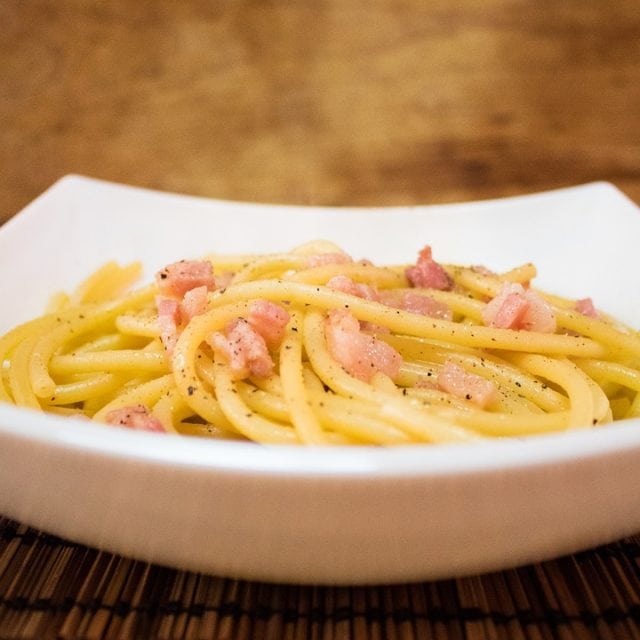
(311, 347)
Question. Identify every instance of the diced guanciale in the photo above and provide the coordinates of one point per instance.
(419, 303)
(178, 278)
(367, 292)
(428, 274)
(347, 285)
(244, 349)
(135, 417)
(455, 380)
(269, 320)
(323, 259)
(518, 308)
(408, 301)
(183, 290)
(194, 302)
(586, 308)
(360, 354)
(169, 318)
(246, 342)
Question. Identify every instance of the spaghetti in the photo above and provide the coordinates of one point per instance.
(312, 347)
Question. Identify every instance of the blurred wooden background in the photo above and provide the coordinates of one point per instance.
(320, 102)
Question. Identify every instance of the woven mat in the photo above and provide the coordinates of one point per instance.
(50, 588)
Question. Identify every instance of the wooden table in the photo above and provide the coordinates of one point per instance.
(332, 102)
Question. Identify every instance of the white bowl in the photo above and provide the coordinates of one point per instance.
(315, 515)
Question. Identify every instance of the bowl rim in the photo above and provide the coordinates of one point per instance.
(365, 462)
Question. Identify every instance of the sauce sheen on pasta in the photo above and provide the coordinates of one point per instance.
(315, 347)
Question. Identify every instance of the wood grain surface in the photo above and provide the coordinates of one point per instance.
(331, 102)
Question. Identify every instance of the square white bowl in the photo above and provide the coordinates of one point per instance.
(316, 515)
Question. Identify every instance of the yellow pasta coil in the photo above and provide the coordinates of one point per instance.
(103, 349)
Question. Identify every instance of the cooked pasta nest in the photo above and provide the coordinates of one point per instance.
(100, 350)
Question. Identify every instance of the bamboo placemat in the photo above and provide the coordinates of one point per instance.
(51, 588)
